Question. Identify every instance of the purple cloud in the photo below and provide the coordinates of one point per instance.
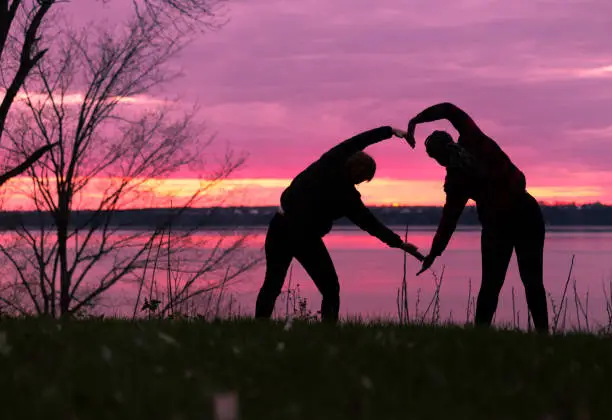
(287, 80)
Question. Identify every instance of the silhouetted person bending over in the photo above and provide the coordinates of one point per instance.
(323, 192)
(511, 219)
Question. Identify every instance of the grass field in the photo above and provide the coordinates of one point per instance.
(97, 369)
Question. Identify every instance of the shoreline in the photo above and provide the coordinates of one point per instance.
(422, 228)
(348, 228)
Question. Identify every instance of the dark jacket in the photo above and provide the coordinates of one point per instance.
(495, 186)
(323, 193)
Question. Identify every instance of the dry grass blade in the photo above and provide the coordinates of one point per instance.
(557, 314)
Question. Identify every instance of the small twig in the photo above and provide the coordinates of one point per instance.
(435, 298)
(288, 291)
(513, 310)
(576, 303)
(402, 298)
(529, 321)
(469, 302)
(556, 315)
(417, 303)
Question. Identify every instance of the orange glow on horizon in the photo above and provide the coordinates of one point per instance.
(266, 192)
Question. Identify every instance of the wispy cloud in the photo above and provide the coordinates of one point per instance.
(77, 99)
(287, 80)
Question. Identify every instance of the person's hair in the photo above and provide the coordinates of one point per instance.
(437, 141)
(364, 163)
(440, 145)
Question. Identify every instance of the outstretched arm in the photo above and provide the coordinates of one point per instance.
(462, 122)
(451, 212)
(448, 223)
(341, 152)
(359, 214)
(31, 160)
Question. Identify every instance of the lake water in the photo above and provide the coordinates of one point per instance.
(370, 274)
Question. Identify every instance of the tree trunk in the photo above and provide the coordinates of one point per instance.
(62, 222)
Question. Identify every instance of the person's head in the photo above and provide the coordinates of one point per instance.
(438, 146)
(360, 167)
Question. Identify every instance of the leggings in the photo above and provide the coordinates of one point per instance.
(285, 242)
(524, 233)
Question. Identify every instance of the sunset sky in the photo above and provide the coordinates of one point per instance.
(285, 80)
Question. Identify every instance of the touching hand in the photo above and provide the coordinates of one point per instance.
(427, 262)
(412, 250)
(411, 140)
(398, 133)
(410, 134)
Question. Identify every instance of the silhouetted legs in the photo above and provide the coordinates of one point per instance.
(315, 259)
(283, 243)
(496, 248)
(525, 234)
(529, 248)
(278, 259)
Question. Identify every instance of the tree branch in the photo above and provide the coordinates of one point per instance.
(27, 60)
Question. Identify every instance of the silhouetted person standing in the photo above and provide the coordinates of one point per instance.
(323, 192)
(511, 219)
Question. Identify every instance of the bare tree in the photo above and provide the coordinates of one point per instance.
(81, 97)
(21, 23)
(28, 55)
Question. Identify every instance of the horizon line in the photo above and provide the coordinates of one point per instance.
(389, 206)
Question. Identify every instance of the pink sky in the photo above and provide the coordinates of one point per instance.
(286, 80)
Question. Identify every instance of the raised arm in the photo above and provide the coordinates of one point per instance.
(341, 152)
(462, 122)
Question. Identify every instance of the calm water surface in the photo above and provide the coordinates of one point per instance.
(371, 273)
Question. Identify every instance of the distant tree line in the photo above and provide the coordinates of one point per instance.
(555, 215)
